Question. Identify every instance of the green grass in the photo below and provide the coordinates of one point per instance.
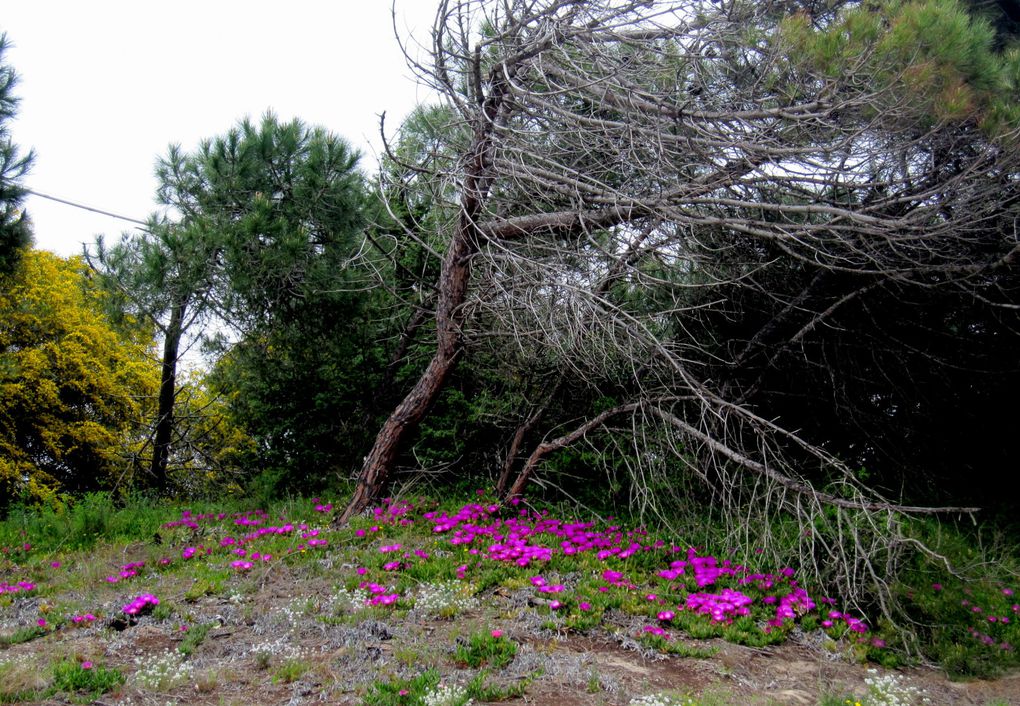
(485, 649)
(480, 689)
(195, 636)
(399, 692)
(81, 682)
(290, 670)
(22, 635)
(91, 682)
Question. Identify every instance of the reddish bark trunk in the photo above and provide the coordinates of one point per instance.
(452, 291)
(453, 284)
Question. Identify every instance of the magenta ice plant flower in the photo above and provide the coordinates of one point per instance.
(656, 630)
(141, 604)
(383, 599)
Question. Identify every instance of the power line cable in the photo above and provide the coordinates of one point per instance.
(87, 208)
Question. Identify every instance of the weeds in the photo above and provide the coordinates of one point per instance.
(485, 649)
(444, 599)
(85, 678)
(194, 637)
(446, 695)
(399, 692)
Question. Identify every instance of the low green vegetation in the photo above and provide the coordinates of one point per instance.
(495, 579)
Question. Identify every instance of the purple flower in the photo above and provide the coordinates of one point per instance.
(141, 604)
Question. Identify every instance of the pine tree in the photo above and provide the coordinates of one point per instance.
(15, 227)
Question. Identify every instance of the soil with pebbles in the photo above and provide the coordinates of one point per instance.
(285, 615)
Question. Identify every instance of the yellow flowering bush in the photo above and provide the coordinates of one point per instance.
(73, 389)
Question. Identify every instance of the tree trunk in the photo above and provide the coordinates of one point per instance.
(451, 293)
(515, 444)
(453, 282)
(543, 449)
(167, 394)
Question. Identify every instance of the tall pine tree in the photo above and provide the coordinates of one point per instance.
(15, 227)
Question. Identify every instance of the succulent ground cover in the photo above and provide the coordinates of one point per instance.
(422, 603)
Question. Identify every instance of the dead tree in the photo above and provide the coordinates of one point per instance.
(665, 152)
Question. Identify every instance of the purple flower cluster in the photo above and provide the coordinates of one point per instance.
(656, 630)
(18, 587)
(991, 618)
(533, 536)
(141, 604)
(797, 602)
(706, 570)
(721, 607)
(379, 595)
(127, 571)
(988, 640)
(523, 537)
(394, 512)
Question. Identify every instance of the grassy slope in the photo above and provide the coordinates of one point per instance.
(405, 600)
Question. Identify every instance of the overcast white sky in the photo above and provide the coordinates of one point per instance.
(106, 86)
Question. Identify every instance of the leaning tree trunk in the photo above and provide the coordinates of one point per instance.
(452, 292)
(453, 283)
(167, 394)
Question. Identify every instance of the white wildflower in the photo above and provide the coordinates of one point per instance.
(891, 690)
(451, 695)
(444, 599)
(660, 700)
(162, 672)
